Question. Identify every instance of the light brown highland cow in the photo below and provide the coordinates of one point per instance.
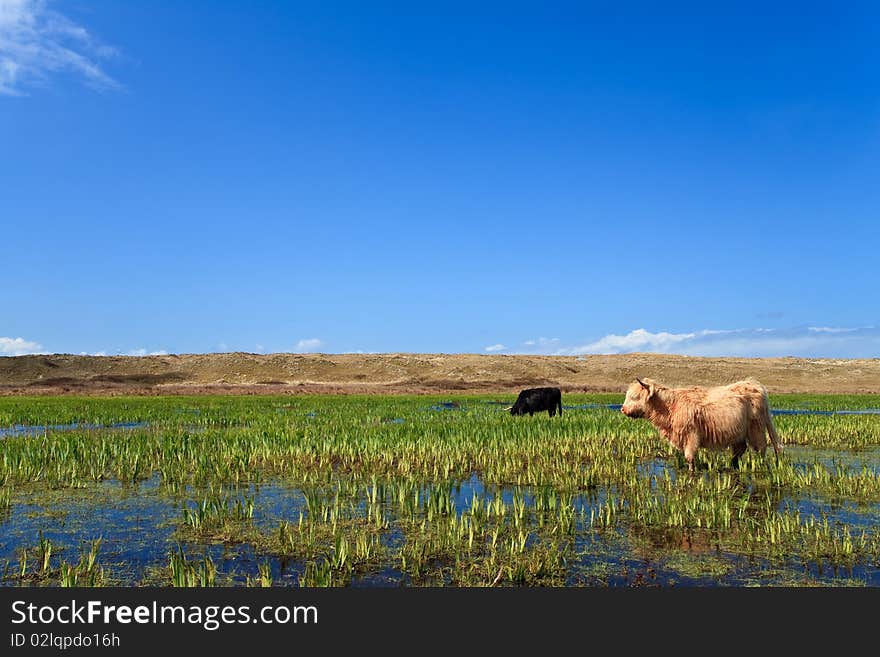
(735, 416)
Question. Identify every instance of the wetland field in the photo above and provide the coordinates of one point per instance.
(426, 490)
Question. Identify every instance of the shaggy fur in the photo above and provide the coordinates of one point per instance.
(735, 416)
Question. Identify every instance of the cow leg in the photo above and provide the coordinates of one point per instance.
(690, 452)
(738, 450)
(757, 437)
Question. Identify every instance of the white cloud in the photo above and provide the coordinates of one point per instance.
(638, 340)
(495, 347)
(96, 353)
(804, 342)
(309, 344)
(831, 329)
(542, 345)
(144, 352)
(19, 347)
(36, 42)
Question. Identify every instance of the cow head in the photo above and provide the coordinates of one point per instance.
(638, 397)
(516, 409)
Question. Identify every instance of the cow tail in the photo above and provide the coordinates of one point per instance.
(560, 405)
(771, 430)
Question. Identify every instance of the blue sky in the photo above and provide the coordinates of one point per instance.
(337, 177)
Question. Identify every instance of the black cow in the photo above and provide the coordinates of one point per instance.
(535, 400)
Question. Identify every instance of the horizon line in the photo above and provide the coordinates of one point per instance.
(436, 353)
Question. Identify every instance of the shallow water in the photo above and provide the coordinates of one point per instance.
(137, 526)
(31, 430)
(590, 407)
(446, 406)
(852, 460)
(812, 411)
(135, 523)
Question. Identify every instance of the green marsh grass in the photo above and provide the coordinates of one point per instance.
(388, 488)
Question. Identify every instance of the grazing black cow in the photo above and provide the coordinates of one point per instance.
(535, 400)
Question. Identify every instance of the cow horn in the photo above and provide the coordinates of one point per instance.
(508, 408)
(644, 385)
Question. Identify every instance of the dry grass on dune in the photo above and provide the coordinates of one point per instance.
(399, 373)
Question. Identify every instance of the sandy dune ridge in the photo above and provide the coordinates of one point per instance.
(400, 373)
